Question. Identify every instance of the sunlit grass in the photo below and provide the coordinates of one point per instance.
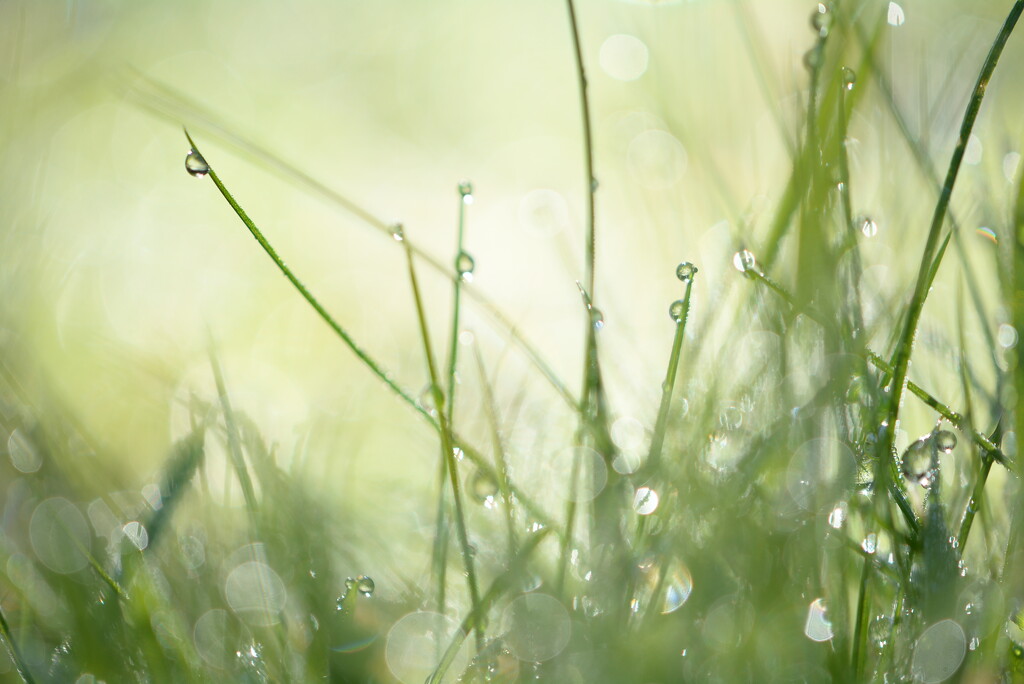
(777, 494)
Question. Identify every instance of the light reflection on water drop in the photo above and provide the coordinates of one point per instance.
(817, 626)
(838, 516)
(686, 271)
(896, 16)
(365, 585)
(744, 261)
(645, 501)
(464, 265)
(196, 165)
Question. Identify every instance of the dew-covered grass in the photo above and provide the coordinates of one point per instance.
(780, 447)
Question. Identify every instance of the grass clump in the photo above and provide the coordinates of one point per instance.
(798, 502)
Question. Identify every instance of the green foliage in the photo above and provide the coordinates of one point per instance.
(770, 521)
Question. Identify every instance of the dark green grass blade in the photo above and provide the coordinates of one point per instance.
(186, 457)
(13, 651)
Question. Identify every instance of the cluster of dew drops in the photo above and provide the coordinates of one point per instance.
(362, 584)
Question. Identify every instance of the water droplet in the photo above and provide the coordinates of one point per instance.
(645, 501)
(867, 226)
(879, 630)
(1007, 336)
(818, 627)
(821, 19)
(427, 399)
(744, 261)
(464, 266)
(483, 487)
(685, 271)
(678, 586)
(365, 585)
(466, 190)
(135, 532)
(730, 418)
(813, 58)
(917, 463)
(896, 16)
(849, 78)
(196, 165)
(870, 543)
(838, 516)
(678, 311)
(596, 318)
(593, 185)
(397, 231)
(945, 441)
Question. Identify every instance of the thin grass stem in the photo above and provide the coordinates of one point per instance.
(447, 447)
(588, 149)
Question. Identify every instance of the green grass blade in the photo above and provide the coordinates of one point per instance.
(171, 105)
(588, 149)
(447, 448)
(13, 651)
(929, 262)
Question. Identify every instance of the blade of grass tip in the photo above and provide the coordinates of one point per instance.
(928, 263)
(185, 459)
(173, 106)
(679, 311)
(234, 440)
(447, 447)
(588, 147)
(500, 585)
(498, 444)
(13, 651)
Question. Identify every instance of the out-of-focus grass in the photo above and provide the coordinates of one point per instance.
(265, 510)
